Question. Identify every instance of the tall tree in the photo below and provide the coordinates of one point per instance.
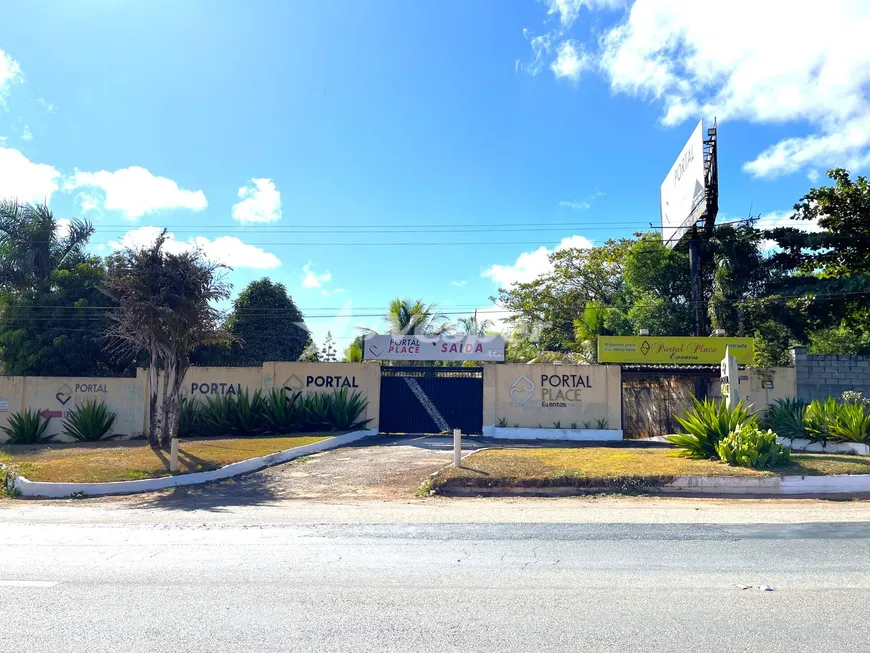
(265, 325)
(165, 308)
(33, 244)
(414, 318)
(328, 351)
(824, 272)
(354, 351)
(474, 326)
(57, 328)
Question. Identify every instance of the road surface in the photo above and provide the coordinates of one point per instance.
(447, 575)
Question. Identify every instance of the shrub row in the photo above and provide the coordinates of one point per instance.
(847, 420)
(87, 422)
(275, 412)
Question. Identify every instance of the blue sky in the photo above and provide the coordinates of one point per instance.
(358, 151)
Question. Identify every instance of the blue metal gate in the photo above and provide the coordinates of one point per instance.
(431, 399)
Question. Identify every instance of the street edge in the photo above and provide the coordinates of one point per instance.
(49, 490)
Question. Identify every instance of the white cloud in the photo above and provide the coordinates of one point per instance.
(326, 292)
(776, 219)
(569, 10)
(10, 73)
(88, 202)
(48, 106)
(228, 250)
(570, 61)
(312, 279)
(530, 265)
(62, 227)
(813, 175)
(753, 69)
(26, 134)
(459, 284)
(25, 180)
(260, 202)
(577, 205)
(135, 191)
(736, 60)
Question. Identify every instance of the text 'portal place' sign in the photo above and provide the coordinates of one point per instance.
(433, 348)
(673, 350)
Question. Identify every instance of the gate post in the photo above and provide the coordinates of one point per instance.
(457, 447)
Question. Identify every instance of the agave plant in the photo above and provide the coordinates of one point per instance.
(707, 424)
(89, 422)
(188, 418)
(27, 427)
(247, 413)
(787, 418)
(852, 423)
(215, 416)
(283, 412)
(820, 416)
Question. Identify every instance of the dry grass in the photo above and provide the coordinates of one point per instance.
(124, 461)
(604, 466)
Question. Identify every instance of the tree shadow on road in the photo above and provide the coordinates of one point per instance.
(254, 489)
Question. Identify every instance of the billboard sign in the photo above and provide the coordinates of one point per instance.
(674, 350)
(433, 348)
(682, 193)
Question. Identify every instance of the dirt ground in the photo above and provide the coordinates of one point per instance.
(381, 468)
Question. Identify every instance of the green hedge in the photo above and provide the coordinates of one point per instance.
(273, 412)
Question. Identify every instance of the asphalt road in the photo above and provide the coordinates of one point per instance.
(200, 584)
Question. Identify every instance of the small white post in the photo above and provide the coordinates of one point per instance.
(457, 447)
(173, 455)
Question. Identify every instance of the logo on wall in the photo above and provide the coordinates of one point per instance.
(294, 384)
(522, 389)
(64, 394)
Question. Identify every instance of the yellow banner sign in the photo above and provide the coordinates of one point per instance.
(674, 350)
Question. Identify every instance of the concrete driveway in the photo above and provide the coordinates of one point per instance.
(381, 467)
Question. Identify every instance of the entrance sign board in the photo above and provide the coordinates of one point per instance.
(683, 191)
(674, 350)
(433, 348)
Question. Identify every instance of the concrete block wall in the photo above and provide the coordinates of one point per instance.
(820, 377)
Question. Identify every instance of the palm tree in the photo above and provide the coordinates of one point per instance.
(32, 246)
(472, 326)
(414, 318)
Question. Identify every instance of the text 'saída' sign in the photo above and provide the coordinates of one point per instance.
(433, 348)
(673, 350)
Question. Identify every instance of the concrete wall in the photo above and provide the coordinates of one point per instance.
(820, 377)
(128, 398)
(57, 395)
(529, 395)
(762, 388)
(313, 378)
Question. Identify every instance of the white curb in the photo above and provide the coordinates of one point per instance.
(771, 485)
(799, 444)
(62, 490)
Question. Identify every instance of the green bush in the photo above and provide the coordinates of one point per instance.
(750, 447)
(283, 413)
(787, 418)
(852, 423)
(27, 427)
(89, 422)
(820, 417)
(247, 413)
(275, 412)
(215, 416)
(188, 418)
(707, 424)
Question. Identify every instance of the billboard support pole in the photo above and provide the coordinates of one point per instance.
(697, 301)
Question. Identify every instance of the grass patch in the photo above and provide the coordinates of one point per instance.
(617, 468)
(99, 462)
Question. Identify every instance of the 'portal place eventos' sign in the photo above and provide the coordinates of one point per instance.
(433, 348)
